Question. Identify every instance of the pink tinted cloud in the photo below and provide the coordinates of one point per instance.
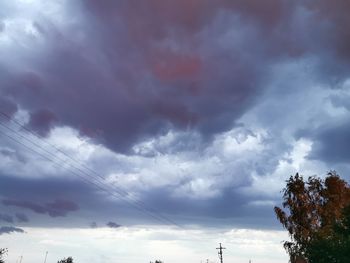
(42, 121)
(335, 15)
(129, 70)
(170, 66)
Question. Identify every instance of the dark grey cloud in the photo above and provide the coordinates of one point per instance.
(6, 218)
(25, 204)
(93, 225)
(330, 142)
(41, 122)
(20, 193)
(229, 208)
(330, 139)
(8, 107)
(54, 209)
(124, 83)
(335, 18)
(125, 73)
(113, 225)
(61, 207)
(22, 218)
(10, 229)
(39, 190)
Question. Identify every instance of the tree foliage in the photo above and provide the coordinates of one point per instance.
(334, 248)
(66, 260)
(311, 209)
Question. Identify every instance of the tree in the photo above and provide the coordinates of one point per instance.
(3, 252)
(335, 248)
(66, 260)
(310, 211)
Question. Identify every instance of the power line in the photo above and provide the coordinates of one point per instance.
(122, 194)
(22, 126)
(123, 198)
(120, 190)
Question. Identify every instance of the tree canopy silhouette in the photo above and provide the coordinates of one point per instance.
(312, 212)
(3, 251)
(66, 260)
(335, 248)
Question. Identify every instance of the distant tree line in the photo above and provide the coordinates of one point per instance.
(66, 260)
(3, 252)
(316, 213)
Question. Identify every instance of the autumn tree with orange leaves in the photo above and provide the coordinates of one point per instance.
(310, 211)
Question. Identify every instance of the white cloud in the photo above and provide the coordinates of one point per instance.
(142, 244)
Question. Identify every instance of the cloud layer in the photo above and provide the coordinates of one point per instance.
(195, 109)
(54, 209)
(10, 229)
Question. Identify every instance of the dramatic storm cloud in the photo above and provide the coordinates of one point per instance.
(121, 73)
(22, 218)
(6, 218)
(188, 112)
(54, 209)
(10, 229)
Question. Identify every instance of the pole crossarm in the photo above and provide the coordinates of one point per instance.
(220, 248)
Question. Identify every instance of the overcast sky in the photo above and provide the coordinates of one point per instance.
(137, 130)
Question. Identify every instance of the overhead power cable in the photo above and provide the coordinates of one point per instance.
(96, 184)
(81, 170)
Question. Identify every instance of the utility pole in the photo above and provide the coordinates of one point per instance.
(45, 257)
(20, 259)
(220, 248)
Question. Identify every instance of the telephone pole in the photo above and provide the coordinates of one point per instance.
(45, 257)
(220, 248)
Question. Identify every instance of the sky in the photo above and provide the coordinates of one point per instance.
(132, 131)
